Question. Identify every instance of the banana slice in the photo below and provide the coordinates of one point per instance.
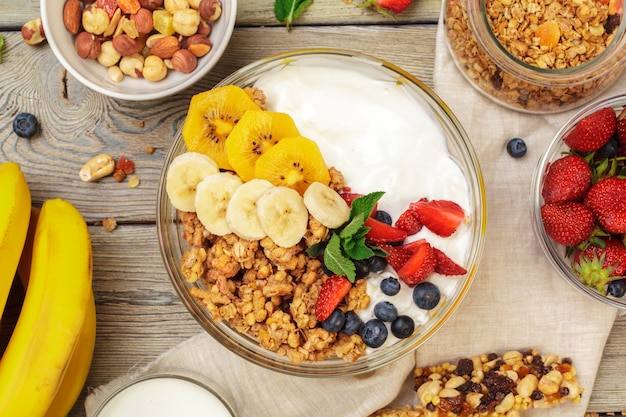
(283, 215)
(241, 213)
(326, 205)
(213, 194)
(183, 176)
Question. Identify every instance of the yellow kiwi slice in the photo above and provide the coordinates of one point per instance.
(255, 133)
(211, 117)
(294, 162)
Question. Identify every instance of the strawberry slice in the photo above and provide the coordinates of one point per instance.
(593, 131)
(446, 266)
(409, 221)
(397, 256)
(383, 233)
(334, 289)
(421, 263)
(441, 217)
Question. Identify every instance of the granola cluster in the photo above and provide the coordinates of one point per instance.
(269, 292)
(548, 35)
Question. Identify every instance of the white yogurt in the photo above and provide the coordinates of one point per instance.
(381, 139)
(164, 397)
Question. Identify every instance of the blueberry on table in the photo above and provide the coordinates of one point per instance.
(426, 295)
(335, 321)
(617, 288)
(516, 147)
(25, 125)
(385, 311)
(390, 286)
(374, 333)
(353, 323)
(402, 327)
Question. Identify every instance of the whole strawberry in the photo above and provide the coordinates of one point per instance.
(566, 179)
(597, 267)
(568, 223)
(621, 132)
(607, 200)
(387, 6)
(593, 131)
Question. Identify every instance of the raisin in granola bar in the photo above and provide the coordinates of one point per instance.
(497, 385)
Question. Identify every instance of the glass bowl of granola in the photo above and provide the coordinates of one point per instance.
(537, 57)
(578, 192)
(301, 226)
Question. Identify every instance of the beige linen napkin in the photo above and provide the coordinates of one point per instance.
(516, 301)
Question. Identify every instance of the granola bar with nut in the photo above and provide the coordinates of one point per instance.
(498, 386)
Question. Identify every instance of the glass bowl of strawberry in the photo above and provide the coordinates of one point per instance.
(578, 197)
(364, 246)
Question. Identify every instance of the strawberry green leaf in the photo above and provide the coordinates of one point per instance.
(287, 11)
(336, 261)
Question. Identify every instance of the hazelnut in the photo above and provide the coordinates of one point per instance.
(143, 20)
(32, 32)
(129, 27)
(87, 45)
(125, 45)
(210, 10)
(199, 45)
(108, 55)
(165, 47)
(95, 20)
(172, 6)
(152, 39)
(132, 65)
(204, 28)
(154, 68)
(151, 4)
(72, 13)
(186, 21)
(184, 61)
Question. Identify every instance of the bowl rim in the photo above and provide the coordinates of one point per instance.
(187, 79)
(338, 367)
(551, 249)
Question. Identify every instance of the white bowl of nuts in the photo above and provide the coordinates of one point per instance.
(138, 49)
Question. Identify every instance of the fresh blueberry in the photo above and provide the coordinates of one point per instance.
(609, 149)
(617, 288)
(374, 333)
(335, 321)
(402, 327)
(353, 323)
(385, 311)
(516, 147)
(25, 125)
(377, 263)
(390, 286)
(383, 216)
(362, 268)
(426, 295)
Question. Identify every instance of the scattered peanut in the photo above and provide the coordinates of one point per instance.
(97, 167)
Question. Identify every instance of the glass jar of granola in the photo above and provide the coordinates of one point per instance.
(537, 56)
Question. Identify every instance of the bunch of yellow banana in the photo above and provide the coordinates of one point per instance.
(47, 359)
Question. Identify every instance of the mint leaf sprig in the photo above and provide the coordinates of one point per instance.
(348, 243)
(287, 11)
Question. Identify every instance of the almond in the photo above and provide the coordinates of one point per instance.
(165, 47)
(72, 16)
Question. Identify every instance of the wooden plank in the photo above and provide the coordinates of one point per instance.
(261, 13)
